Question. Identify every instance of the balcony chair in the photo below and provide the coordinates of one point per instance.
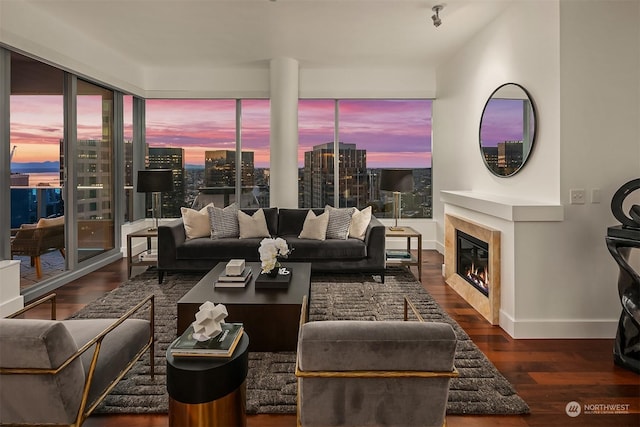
(57, 372)
(34, 240)
(365, 373)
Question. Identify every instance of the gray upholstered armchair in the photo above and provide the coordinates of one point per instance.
(57, 372)
(364, 373)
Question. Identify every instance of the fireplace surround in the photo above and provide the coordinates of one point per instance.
(473, 250)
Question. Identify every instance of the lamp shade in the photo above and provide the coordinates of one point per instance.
(153, 180)
(400, 180)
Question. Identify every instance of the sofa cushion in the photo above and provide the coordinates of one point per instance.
(339, 222)
(196, 222)
(253, 225)
(290, 221)
(315, 227)
(309, 250)
(359, 222)
(216, 249)
(224, 222)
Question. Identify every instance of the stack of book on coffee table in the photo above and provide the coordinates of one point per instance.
(235, 275)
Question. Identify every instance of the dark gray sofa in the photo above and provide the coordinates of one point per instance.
(176, 253)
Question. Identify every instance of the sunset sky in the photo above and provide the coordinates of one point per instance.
(395, 133)
(502, 121)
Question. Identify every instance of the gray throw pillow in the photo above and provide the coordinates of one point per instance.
(339, 222)
(224, 222)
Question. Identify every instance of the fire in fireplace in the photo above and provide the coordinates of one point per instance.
(473, 261)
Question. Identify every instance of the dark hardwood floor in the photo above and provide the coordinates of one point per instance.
(547, 374)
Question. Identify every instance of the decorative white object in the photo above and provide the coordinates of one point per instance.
(270, 250)
(208, 320)
(235, 267)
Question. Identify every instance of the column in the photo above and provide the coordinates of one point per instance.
(284, 133)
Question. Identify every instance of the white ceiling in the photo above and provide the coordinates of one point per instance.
(317, 33)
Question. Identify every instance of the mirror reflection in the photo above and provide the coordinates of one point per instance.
(507, 129)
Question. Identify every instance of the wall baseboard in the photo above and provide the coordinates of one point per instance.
(558, 328)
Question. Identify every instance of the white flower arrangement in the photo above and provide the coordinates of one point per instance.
(270, 250)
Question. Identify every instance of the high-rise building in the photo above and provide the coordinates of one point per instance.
(318, 176)
(170, 158)
(220, 168)
(510, 156)
(220, 178)
(491, 157)
(128, 180)
(93, 174)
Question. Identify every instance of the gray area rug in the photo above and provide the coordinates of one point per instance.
(271, 383)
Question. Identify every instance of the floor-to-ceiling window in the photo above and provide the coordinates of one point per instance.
(385, 134)
(316, 127)
(199, 141)
(127, 113)
(94, 170)
(62, 149)
(254, 137)
(369, 135)
(36, 137)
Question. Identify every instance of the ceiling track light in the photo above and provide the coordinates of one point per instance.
(436, 16)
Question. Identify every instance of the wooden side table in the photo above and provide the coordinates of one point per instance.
(410, 259)
(208, 392)
(132, 258)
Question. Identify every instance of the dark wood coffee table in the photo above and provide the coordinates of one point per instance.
(270, 316)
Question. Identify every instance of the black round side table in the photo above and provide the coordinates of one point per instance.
(206, 391)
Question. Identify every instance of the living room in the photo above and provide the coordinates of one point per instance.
(558, 279)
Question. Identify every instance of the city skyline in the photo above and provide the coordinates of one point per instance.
(394, 132)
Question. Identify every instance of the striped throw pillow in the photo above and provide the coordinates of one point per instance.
(339, 222)
(224, 222)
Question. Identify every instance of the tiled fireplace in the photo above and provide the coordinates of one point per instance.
(472, 264)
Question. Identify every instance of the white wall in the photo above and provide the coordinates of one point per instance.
(512, 49)
(28, 29)
(583, 74)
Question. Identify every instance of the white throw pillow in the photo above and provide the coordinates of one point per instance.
(315, 227)
(224, 222)
(339, 222)
(196, 223)
(253, 225)
(359, 222)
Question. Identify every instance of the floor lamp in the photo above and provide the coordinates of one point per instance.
(155, 181)
(398, 181)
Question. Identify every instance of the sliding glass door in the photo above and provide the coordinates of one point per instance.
(36, 140)
(94, 170)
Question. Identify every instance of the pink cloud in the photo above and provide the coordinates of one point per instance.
(394, 132)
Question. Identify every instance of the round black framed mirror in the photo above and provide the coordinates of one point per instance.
(507, 129)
